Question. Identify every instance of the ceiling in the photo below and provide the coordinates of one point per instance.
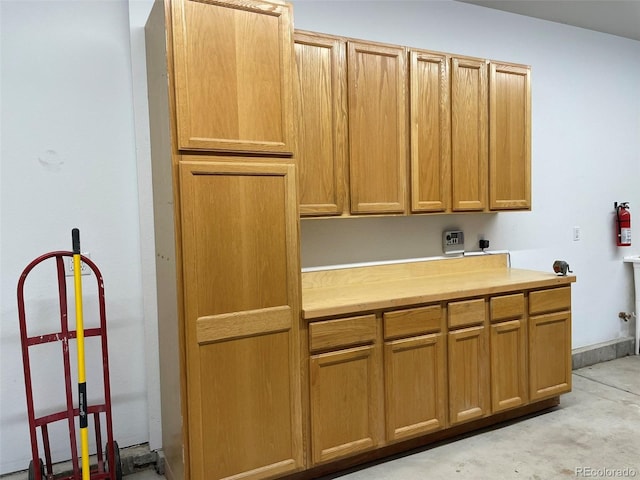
(617, 17)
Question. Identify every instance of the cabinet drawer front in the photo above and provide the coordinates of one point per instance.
(507, 306)
(342, 332)
(465, 313)
(414, 321)
(551, 300)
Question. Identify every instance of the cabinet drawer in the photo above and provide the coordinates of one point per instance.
(414, 321)
(551, 300)
(507, 306)
(342, 332)
(466, 313)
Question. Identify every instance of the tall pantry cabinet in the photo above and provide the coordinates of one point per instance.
(226, 221)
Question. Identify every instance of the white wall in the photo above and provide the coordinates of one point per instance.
(585, 150)
(75, 153)
(69, 160)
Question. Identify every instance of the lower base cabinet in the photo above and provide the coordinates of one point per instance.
(344, 407)
(508, 365)
(415, 386)
(549, 357)
(381, 379)
(468, 374)
(549, 342)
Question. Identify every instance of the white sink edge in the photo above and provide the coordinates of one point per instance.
(632, 259)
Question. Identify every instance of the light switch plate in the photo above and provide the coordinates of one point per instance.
(452, 242)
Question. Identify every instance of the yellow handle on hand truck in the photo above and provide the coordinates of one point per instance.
(82, 381)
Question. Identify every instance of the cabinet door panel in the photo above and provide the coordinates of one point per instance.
(344, 405)
(430, 132)
(468, 374)
(233, 75)
(549, 355)
(469, 151)
(510, 137)
(415, 388)
(377, 128)
(321, 92)
(508, 365)
(239, 221)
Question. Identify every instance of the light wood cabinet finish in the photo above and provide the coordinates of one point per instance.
(412, 321)
(550, 300)
(430, 120)
(321, 93)
(377, 128)
(466, 313)
(469, 136)
(507, 307)
(508, 365)
(233, 72)
(469, 394)
(549, 355)
(345, 406)
(342, 332)
(549, 342)
(509, 136)
(415, 386)
(239, 225)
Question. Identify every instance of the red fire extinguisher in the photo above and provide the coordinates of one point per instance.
(623, 224)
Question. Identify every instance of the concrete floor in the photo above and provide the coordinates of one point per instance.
(595, 432)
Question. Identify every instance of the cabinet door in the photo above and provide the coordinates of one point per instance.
(468, 374)
(469, 136)
(415, 389)
(344, 403)
(549, 355)
(377, 128)
(509, 137)
(241, 301)
(321, 92)
(508, 365)
(233, 67)
(430, 132)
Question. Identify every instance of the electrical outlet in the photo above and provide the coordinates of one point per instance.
(452, 242)
(68, 266)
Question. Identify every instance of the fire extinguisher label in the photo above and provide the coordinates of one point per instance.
(625, 235)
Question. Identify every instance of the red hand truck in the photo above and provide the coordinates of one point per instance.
(108, 464)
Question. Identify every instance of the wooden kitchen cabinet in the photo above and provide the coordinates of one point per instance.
(344, 388)
(509, 136)
(509, 376)
(226, 238)
(377, 128)
(468, 361)
(233, 64)
(241, 318)
(321, 93)
(414, 372)
(549, 342)
(469, 135)
(430, 120)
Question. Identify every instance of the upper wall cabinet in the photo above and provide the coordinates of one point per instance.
(233, 75)
(430, 118)
(469, 153)
(509, 137)
(377, 127)
(321, 93)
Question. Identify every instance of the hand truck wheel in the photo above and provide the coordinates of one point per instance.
(32, 473)
(116, 460)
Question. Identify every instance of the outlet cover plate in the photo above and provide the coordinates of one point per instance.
(452, 242)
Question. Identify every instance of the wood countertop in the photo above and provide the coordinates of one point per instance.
(360, 289)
